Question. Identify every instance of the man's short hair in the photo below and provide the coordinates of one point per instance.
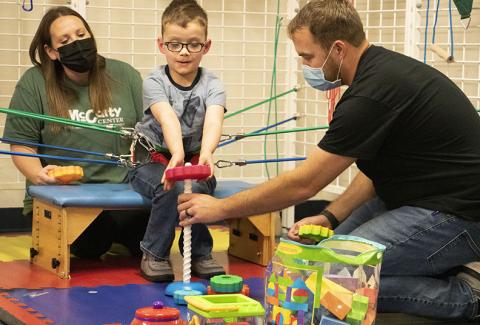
(329, 20)
(183, 12)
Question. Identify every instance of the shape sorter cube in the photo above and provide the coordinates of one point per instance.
(224, 309)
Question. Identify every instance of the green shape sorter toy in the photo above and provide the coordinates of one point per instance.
(315, 233)
(224, 309)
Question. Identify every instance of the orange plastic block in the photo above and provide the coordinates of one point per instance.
(66, 174)
(370, 318)
(335, 305)
(272, 300)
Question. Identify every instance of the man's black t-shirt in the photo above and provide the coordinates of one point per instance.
(414, 133)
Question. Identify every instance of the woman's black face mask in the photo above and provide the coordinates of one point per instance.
(79, 56)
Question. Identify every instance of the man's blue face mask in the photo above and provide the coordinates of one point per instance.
(315, 77)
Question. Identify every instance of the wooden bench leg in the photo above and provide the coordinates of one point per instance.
(54, 229)
(253, 238)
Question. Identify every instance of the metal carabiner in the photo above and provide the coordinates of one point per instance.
(25, 8)
(227, 163)
(223, 163)
(226, 137)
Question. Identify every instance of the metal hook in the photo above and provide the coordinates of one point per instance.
(223, 163)
(227, 163)
(25, 8)
(226, 137)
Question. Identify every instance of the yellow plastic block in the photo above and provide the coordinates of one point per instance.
(334, 288)
(66, 174)
(340, 293)
(284, 312)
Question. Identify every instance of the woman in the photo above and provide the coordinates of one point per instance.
(70, 80)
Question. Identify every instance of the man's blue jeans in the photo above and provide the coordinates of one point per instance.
(422, 247)
(160, 233)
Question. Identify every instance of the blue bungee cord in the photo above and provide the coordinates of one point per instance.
(114, 159)
(434, 28)
(241, 136)
(38, 155)
(228, 163)
(42, 145)
(451, 28)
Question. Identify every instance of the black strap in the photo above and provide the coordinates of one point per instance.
(331, 218)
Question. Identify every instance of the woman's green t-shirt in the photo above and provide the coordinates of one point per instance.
(126, 110)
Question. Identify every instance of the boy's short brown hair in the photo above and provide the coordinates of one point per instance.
(329, 20)
(182, 12)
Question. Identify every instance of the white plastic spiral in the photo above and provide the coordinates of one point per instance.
(187, 239)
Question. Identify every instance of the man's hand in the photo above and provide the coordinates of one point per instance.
(199, 208)
(315, 220)
(175, 161)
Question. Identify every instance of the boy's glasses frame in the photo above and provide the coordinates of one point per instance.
(178, 46)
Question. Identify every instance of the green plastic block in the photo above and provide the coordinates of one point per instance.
(354, 318)
(226, 283)
(359, 304)
(314, 232)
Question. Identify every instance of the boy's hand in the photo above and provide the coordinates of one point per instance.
(176, 161)
(315, 220)
(206, 158)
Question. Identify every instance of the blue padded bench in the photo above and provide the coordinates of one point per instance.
(62, 212)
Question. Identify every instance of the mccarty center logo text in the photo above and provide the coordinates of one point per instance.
(109, 116)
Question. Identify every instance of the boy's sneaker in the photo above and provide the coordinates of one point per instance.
(470, 273)
(206, 268)
(156, 270)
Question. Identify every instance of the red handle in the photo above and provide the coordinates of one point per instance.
(188, 172)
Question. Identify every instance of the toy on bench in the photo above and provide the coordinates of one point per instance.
(315, 233)
(66, 174)
(181, 289)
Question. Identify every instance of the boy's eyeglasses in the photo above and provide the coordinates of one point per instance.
(178, 47)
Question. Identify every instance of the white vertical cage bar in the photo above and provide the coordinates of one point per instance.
(412, 20)
(288, 215)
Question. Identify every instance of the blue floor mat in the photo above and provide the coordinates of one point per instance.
(105, 304)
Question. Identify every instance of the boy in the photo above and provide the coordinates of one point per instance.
(184, 106)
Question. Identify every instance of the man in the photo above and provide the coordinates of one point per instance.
(414, 136)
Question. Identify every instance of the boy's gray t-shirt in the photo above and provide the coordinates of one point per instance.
(189, 104)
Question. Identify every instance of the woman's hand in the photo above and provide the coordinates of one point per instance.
(42, 177)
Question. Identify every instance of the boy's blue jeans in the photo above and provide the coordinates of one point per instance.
(160, 233)
(422, 247)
